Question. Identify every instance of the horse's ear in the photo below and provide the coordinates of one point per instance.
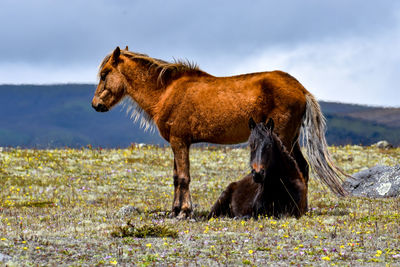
(252, 123)
(126, 48)
(116, 54)
(270, 124)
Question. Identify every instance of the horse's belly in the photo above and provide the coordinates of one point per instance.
(222, 134)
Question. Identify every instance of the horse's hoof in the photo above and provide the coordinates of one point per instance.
(183, 215)
(176, 211)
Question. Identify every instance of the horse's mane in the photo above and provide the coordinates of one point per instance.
(285, 154)
(164, 67)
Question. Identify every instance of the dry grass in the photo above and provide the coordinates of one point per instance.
(61, 206)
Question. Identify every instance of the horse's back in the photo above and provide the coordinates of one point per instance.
(217, 109)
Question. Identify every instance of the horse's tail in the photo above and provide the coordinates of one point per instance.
(313, 132)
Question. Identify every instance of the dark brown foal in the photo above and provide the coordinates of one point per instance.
(275, 186)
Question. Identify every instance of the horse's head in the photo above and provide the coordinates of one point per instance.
(112, 86)
(261, 148)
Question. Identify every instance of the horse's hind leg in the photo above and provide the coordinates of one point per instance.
(222, 205)
(303, 166)
(301, 161)
(182, 205)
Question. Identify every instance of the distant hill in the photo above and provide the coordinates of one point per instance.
(62, 115)
(46, 116)
(358, 124)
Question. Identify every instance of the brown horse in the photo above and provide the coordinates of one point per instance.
(275, 186)
(190, 106)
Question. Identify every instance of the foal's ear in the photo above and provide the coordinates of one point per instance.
(252, 123)
(126, 48)
(270, 124)
(116, 54)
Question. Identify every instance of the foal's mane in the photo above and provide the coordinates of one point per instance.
(175, 68)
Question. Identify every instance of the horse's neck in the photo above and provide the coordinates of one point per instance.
(283, 166)
(144, 89)
(276, 166)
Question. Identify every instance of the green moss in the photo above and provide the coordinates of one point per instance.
(144, 231)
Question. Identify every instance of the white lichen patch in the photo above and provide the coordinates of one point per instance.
(383, 189)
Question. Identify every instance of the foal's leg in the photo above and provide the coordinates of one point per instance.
(222, 205)
(182, 205)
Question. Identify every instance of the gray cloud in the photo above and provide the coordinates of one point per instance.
(73, 36)
(75, 30)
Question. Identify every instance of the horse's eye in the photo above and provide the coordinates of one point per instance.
(103, 76)
(267, 146)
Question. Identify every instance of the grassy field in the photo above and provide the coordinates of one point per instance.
(111, 207)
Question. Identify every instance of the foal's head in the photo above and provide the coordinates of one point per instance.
(112, 85)
(261, 148)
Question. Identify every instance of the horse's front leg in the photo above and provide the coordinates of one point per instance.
(182, 205)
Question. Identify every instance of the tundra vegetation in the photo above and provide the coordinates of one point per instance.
(111, 207)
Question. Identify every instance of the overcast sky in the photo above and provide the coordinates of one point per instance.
(340, 50)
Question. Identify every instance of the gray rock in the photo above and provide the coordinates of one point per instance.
(126, 211)
(383, 144)
(376, 182)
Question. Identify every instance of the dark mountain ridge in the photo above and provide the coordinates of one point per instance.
(47, 116)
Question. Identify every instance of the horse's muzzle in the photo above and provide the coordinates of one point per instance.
(258, 177)
(100, 107)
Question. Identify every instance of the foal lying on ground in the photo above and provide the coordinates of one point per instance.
(275, 186)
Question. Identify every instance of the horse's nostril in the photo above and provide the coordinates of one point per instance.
(262, 172)
(100, 108)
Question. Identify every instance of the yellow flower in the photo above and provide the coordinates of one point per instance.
(378, 253)
(148, 245)
(3, 239)
(326, 258)
(251, 251)
(25, 248)
(113, 262)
